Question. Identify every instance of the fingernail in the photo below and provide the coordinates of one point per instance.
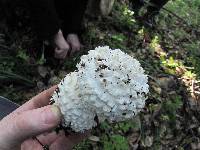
(52, 115)
(56, 110)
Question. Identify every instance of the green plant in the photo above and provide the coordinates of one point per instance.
(189, 74)
(114, 142)
(154, 43)
(190, 15)
(126, 126)
(116, 41)
(42, 59)
(22, 55)
(123, 16)
(85, 145)
(105, 126)
(12, 77)
(169, 109)
(170, 64)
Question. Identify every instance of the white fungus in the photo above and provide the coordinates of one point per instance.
(108, 84)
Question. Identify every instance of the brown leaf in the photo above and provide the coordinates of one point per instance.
(43, 71)
(94, 138)
(148, 141)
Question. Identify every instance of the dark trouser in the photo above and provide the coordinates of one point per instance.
(152, 9)
(51, 15)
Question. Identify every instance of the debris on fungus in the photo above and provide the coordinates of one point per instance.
(108, 85)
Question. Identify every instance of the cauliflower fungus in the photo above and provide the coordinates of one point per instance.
(108, 85)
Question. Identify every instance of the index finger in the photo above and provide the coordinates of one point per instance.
(38, 101)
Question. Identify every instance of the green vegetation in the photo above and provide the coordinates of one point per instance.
(114, 142)
(170, 54)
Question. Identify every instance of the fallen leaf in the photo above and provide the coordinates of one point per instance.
(94, 138)
(148, 141)
(43, 71)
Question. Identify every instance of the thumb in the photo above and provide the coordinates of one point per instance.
(18, 127)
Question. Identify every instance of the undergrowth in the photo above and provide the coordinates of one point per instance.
(169, 51)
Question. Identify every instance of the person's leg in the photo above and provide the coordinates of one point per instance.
(156, 6)
(72, 12)
(153, 10)
(44, 17)
(47, 25)
(73, 16)
(137, 5)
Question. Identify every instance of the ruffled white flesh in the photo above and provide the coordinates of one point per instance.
(108, 84)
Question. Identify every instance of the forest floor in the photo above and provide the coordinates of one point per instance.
(169, 52)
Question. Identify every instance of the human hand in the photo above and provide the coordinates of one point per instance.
(60, 53)
(61, 46)
(74, 43)
(35, 119)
